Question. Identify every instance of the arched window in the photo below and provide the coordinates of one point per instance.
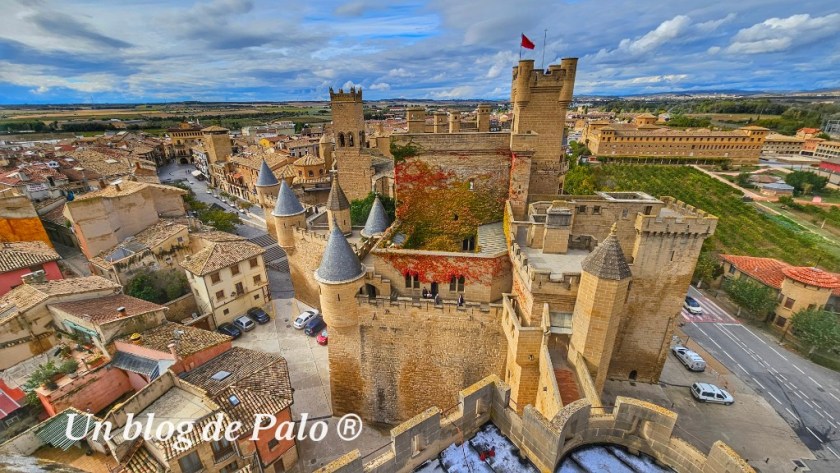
(341, 140)
(311, 173)
(350, 139)
(361, 139)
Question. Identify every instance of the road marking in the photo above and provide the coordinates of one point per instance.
(774, 351)
(815, 381)
(832, 451)
(774, 397)
(759, 384)
(815, 435)
(739, 366)
(829, 415)
(791, 413)
(808, 404)
(730, 356)
(819, 413)
(832, 424)
(798, 395)
(782, 376)
(835, 397)
(797, 368)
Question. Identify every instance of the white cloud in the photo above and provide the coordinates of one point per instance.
(400, 72)
(780, 34)
(349, 84)
(460, 92)
(380, 86)
(499, 62)
(649, 42)
(713, 25)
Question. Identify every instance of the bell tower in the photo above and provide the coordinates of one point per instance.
(352, 159)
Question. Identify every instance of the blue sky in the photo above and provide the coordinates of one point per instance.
(251, 50)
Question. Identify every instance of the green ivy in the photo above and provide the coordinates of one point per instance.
(403, 152)
(360, 208)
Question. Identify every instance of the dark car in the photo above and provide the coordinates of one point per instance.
(229, 329)
(314, 326)
(258, 315)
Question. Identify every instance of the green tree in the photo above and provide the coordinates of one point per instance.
(805, 182)
(143, 286)
(707, 270)
(220, 219)
(360, 209)
(755, 298)
(579, 181)
(743, 180)
(820, 329)
(824, 136)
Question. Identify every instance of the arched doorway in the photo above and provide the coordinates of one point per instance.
(434, 289)
(370, 289)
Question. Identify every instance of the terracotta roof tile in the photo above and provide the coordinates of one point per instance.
(126, 187)
(141, 461)
(258, 380)
(22, 254)
(765, 270)
(192, 340)
(218, 255)
(104, 309)
(812, 277)
(26, 296)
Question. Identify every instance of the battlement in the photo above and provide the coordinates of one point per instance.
(556, 77)
(353, 95)
(428, 306)
(677, 218)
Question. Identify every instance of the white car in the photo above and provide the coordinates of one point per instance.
(690, 359)
(705, 392)
(692, 305)
(304, 317)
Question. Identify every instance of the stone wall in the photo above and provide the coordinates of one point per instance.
(182, 308)
(640, 426)
(90, 392)
(404, 357)
(303, 261)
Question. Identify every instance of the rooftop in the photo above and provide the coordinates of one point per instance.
(102, 310)
(125, 187)
(23, 254)
(220, 254)
(245, 383)
(339, 262)
(150, 238)
(287, 202)
(812, 277)
(266, 177)
(190, 339)
(765, 270)
(337, 200)
(26, 296)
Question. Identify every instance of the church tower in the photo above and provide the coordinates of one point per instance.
(352, 159)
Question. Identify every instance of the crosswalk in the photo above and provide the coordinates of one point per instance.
(712, 313)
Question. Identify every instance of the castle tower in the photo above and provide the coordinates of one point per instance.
(665, 254)
(482, 118)
(338, 209)
(416, 118)
(288, 214)
(377, 221)
(339, 276)
(267, 186)
(439, 122)
(325, 151)
(353, 162)
(540, 100)
(454, 121)
(217, 143)
(604, 283)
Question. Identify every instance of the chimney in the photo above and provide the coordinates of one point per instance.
(173, 349)
(102, 184)
(121, 311)
(117, 186)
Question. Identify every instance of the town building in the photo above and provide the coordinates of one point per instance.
(19, 220)
(181, 139)
(797, 288)
(827, 150)
(104, 218)
(37, 182)
(776, 144)
(645, 139)
(19, 260)
(227, 275)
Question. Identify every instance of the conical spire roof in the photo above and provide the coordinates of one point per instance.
(607, 260)
(266, 177)
(339, 262)
(377, 221)
(337, 200)
(287, 202)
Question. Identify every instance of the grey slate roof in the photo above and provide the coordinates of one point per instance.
(607, 260)
(287, 202)
(339, 262)
(377, 221)
(266, 177)
(337, 200)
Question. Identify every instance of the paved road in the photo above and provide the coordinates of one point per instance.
(806, 395)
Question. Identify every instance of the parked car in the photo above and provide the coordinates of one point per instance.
(705, 392)
(258, 315)
(244, 323)
(229, 329)
(315, 325)
(692, 305)
(322, 338)
(304, 317)
(690, 359)
(209, 191)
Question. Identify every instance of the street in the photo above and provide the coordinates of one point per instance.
(806, 395)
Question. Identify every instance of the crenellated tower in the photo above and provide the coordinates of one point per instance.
(352, 160)
(540, 101)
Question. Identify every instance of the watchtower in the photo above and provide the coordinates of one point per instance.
(352, 161)
(217, 143)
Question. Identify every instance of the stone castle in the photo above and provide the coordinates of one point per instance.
(487, 270)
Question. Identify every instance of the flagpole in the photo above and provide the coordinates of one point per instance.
(545, 35)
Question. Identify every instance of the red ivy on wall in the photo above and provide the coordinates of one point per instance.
(434, 268)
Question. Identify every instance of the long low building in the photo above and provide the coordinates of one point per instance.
(643, 138)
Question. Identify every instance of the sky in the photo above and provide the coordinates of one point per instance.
(77, 51)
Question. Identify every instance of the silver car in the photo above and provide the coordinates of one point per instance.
(244, 323)
(690, 359)
(705, 392)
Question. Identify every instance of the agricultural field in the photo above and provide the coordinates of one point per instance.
(742, 228)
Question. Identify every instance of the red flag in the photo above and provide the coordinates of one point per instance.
(526, 43)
